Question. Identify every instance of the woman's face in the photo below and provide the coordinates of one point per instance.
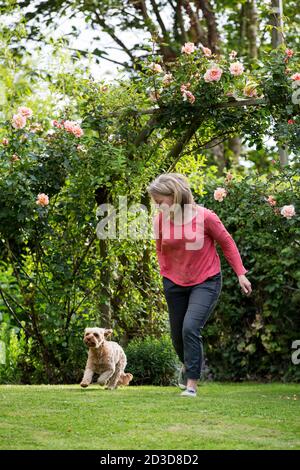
(162, 200)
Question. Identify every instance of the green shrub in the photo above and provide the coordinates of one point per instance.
(152, 361)
(251, 337)
(13, 346)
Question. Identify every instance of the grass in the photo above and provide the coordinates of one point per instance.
(222, 416)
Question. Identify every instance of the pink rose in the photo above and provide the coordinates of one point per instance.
(57, 124)
(187, 95)
(73, 128)
(229, 177)
(213, 74)
(236, 68)
(206, 51)
(188, 48)
(42, 200)
(219, 194)
(296, 76)
(26, 112)
(289, 52)
(69, 125)
(288, 211)
(77, 131)
(271, 201)
(185, 87)
(291, 121)
(167, 78)
(156, 68)
(18, 121)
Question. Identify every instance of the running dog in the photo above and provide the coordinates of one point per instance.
(106, 358)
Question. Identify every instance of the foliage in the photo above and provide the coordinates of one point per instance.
(251, 338)
(185, 96)
(16, 351)
(221, 25)
(152, 361)
(57, 276)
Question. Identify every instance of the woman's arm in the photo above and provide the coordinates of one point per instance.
(216, 230)
(245, 284)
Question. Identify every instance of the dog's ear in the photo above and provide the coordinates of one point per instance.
(108, 333)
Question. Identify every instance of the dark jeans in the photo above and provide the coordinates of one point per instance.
(189, 309)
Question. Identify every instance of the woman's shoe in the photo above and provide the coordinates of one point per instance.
(189, 392)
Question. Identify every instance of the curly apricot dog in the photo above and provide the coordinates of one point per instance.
(106, 358)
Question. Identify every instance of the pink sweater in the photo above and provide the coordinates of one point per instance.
(186, 266)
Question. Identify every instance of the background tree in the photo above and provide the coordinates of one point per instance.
(219, 25)
(56, 275)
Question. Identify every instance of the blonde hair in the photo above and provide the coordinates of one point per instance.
(172, 184)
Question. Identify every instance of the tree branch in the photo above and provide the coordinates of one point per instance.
(140, 5)
(175, 152)
(146, 132)
(12, 255)
(172, 4)
(212, 31)
(194, 20)
(215, 140)
(109, 30)
(180, 21)
(13, 313)
(225, 104)
(160, 21)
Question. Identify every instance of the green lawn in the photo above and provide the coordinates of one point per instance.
(223, 416)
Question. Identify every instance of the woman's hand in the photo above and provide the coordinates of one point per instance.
(245, 284)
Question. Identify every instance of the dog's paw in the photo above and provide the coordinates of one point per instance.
(125, 378)
(84, 384)
(101, 382)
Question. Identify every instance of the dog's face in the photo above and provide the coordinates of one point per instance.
(95, 337)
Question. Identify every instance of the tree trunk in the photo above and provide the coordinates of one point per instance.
(235, 145)
(219, 157)
(104, 302)
(251, 29)
(213, 38)
(277, 39)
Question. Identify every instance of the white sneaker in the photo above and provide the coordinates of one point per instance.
(189, 392)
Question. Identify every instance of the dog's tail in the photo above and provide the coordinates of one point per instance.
(125, 378)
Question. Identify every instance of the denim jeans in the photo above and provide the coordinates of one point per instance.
(189, 309)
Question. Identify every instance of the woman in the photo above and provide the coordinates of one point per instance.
(190, 265)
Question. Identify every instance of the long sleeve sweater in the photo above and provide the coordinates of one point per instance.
(187, 253)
